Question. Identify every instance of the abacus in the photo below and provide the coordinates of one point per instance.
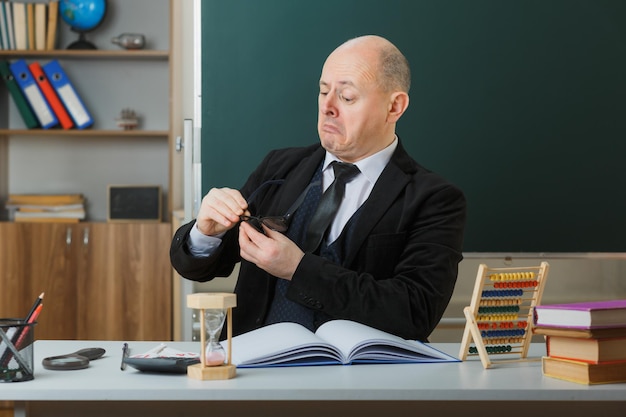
(500, 317)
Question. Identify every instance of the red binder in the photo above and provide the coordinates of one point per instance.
(51, 96)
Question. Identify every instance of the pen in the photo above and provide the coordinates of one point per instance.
(125, 353)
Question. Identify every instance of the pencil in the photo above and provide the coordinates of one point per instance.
(22, 338)
(34, 307)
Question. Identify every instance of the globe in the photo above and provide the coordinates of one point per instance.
(82, 16)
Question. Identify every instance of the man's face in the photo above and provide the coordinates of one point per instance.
(353, 109)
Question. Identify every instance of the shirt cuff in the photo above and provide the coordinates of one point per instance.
(202, 245)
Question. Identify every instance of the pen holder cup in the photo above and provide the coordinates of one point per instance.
(16, 350)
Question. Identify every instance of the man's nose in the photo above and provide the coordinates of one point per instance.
(328, 105)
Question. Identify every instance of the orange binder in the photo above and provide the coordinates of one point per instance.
(51, 96)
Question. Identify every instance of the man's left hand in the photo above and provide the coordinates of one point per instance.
(273, 252)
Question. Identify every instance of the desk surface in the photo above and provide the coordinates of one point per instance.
(466, 381)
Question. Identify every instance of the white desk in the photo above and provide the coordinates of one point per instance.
(433, 389)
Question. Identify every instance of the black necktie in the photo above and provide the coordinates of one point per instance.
(329, 203)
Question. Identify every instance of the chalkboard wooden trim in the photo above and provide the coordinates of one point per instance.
(134, 203)
(510, 256)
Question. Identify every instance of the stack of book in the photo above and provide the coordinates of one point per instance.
(585, 342)
(25, 25)
(67, 208)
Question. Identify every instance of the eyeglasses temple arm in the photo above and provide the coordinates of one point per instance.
(265, 184)
(300, 199)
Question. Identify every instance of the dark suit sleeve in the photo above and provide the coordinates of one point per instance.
(404, 275)
(220, 264)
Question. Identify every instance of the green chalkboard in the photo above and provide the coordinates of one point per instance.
(520, 103)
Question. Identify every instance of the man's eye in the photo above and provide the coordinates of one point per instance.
(346, 98)
(323, 93)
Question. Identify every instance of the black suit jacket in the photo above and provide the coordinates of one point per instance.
(399, 273)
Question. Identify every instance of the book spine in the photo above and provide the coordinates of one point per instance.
(8, 15)
(4, 37)
(30, 25)
(40, 26)
(45, 199)
(20, 25)
(51, 30)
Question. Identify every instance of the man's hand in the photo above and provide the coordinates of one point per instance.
(220, 211)
(273, 252)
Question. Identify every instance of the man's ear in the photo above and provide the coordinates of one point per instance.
(399, 102)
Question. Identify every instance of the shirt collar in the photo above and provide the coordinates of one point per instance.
(372, 166)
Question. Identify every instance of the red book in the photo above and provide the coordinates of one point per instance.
(51, 96)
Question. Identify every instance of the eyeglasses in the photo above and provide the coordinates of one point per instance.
(276, 223)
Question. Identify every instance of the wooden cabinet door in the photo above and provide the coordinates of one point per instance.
(125, 282)
(36, 258)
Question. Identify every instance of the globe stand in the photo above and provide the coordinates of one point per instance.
(82, 42)
(202, 302)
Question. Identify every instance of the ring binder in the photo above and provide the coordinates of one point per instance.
(33, 94)
(68, 95)
(18, 98)
(50, 94)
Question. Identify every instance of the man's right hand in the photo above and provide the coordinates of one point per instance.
(220, 211)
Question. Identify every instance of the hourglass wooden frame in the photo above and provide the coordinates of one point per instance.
(204, 301)
(499, 320)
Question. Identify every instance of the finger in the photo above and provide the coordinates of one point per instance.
(247, 247)
(235, 200)
(224, 205)
(251, 234)
(229, 203)
(220, 210)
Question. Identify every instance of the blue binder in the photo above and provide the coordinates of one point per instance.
(68, 95)
(33, 94)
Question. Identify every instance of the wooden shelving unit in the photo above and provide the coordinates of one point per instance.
(115, 274)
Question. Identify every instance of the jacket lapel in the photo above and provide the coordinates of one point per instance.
(390, 184)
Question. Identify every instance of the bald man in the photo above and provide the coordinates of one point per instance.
(389, 258)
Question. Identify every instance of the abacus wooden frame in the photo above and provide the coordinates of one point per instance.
(472, 333)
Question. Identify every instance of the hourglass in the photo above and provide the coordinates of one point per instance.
(215, 308)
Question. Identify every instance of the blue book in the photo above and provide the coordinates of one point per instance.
(68, 95)
(33, 94)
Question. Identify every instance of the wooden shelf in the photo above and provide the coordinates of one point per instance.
(111, 79)
(87, 54)
(84, 132)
